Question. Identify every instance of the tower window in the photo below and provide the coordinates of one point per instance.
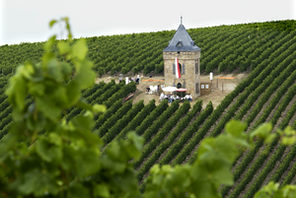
(196, 67)
(180, 68)
(174, 69)
(197, 88)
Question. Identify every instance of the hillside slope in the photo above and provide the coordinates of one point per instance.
(224, 49)
(172, 133)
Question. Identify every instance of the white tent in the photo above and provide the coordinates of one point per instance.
(169, 89)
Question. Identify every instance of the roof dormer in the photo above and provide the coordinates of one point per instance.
(181, 41)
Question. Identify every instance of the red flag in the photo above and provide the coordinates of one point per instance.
(178, 72)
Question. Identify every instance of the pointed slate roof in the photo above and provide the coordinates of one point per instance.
(181, 41)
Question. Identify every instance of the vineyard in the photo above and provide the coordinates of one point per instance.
(172, 132)
(224, 49)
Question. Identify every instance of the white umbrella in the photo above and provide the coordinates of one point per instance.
(169, 89)
(181, 90)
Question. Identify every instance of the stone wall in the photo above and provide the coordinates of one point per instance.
(191, 76)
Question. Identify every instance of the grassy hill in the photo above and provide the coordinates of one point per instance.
(173, 132)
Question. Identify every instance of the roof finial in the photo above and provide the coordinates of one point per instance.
(181, 18)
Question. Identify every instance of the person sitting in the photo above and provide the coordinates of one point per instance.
(190, 97)
(161, 97)
(166, 97)
(173, 98)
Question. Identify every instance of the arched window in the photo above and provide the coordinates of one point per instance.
(179, 85)
(179, 44)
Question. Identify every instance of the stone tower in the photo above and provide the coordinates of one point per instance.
(182, 51)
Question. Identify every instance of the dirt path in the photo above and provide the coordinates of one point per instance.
(216, 95)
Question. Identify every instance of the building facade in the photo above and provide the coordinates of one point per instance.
(182, 51)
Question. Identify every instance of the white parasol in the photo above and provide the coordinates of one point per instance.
(181, 90)
(169, 89)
